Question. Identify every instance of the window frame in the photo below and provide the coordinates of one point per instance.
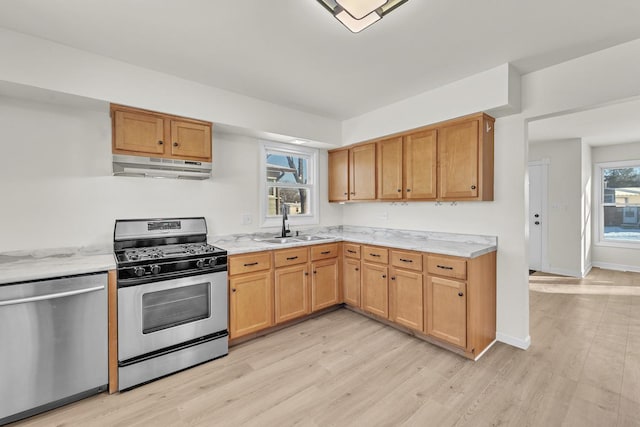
(599, 188)
(313, 217)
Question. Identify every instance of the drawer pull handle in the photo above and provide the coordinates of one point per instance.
(291, 258)
(375, 255)
(325, 253)
(251, 264)
(351, 251)
(460, 294)
(406, 260)
(444, 267)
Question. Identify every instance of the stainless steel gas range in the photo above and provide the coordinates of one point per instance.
(172, 298)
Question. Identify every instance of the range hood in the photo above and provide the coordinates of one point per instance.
(157, 167)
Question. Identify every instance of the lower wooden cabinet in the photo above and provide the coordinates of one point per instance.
(324, 284)
(375, 289)
(291, 292)
(406, 298)
(351, 281)
(250, 303)
(446, 304)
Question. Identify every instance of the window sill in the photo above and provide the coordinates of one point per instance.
(618, 244)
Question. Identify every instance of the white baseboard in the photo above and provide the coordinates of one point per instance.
(514, 341)
(618, 267)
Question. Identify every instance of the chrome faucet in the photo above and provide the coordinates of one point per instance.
(285, 229)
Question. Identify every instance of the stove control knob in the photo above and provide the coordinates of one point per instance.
(138, 271)
(155, 269)
(213, 261)
(200, 263)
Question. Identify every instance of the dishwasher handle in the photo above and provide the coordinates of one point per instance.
(51, 296)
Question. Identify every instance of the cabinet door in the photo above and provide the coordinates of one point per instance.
(446, 303)
(406, 299)
(338, 175)
(191, 140)
(389, 156)
(362, 172)
(458, 160)
(324, 284)
(420, 165)
(375, 289)
(291, 292)
(250, 303)
(138, 133)
(351, 281)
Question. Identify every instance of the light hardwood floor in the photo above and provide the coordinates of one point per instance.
(582, 369)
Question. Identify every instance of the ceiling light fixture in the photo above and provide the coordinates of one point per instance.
(357, 15)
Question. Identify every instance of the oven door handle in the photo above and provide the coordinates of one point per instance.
(50, 296)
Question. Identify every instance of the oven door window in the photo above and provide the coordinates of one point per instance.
(173, 307)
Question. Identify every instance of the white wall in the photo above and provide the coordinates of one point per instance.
(564, 204)
(586, 191)
(606, 256)
(57, 188)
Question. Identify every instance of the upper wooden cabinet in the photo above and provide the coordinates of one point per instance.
(465, 158)
(407, 167)
(339, 175)
(451, 160)
(352, 173)
(147, 133)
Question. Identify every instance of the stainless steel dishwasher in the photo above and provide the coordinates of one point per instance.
(53, 343)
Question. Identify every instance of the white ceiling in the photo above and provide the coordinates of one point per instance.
(294, 53)
(612, 124)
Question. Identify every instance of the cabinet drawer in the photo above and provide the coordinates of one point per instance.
(375, 254)
(408, 260)
(351, 250)
(447, 266)
(239, 264)
(329, 250)
(291, 256)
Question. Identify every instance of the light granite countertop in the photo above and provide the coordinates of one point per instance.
(21, 266)
(462, 245)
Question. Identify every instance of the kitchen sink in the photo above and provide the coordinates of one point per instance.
(311, 238)
(297, 239)
(280, 240)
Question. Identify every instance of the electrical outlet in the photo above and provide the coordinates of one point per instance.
(246, 219)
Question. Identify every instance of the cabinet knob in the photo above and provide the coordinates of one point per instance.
(460, 294)
(346, 194)
(160, 142)
(306, 273)
(393, 277)
(353, 193)
(357, 269)
(233, 289)
(384, 276)
(315, 272)
(175, 144)
(399, 190)
(408, 190)
(473, 187)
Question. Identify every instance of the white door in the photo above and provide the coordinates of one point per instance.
(537, 205)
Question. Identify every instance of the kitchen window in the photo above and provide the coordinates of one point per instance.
(619, 211)
(289, 178)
